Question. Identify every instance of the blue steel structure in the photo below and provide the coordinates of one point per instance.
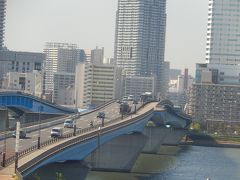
(26, 102)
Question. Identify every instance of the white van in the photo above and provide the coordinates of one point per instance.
(57, 132)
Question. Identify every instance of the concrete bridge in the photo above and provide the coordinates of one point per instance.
(88, 140)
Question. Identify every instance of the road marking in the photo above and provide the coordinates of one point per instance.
(34, 135)
(35, 141)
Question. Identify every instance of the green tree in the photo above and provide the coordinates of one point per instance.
(59, 176)
(151, 124)
(196, 127)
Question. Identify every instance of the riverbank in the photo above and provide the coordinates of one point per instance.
(210, 143)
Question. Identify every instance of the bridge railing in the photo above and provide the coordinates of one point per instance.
(87, 133)
(69, 135)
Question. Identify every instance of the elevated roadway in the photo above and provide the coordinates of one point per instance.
(135, 122)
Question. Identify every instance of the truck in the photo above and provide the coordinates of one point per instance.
(125, 108)
(57, 132)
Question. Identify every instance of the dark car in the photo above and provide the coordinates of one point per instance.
(22, 134)
(101, 115)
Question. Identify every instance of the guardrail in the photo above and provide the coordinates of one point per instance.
(87, 133)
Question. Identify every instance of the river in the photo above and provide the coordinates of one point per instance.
(171, 163)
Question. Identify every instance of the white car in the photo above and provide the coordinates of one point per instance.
(57, 132)
(68, 123)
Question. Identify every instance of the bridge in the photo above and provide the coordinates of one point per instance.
(28, 103)
(86, 140)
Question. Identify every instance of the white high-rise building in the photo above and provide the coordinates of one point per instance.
(2, 21)
(96, 84)
(223, 32)
(60, 57)
(140, 38)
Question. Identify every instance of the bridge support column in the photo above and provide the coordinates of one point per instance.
(155, 138)
(174, 137)
(124, 150)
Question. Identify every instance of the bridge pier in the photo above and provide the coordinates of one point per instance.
(4, 122)
(119, 154)
(174, 137)
(155, 138)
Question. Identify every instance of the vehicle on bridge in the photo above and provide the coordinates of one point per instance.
(130, 97)
(125, 108)
(101, 115)
(22, 134)
(68, 123)
(57, 132)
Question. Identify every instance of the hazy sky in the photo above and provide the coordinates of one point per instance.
(88, 23)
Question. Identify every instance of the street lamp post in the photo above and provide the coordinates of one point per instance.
(17, 145)
(39, 126)
(75, 126)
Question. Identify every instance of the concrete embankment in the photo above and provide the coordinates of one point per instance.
(225, 144)
(198, 139)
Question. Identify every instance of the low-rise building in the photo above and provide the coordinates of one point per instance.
(214, 102)
(21, 62)
(137, 85)
(218, 73)
(64, 88)
(30, 83)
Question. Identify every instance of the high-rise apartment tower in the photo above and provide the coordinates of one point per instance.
(60, 57)
(223, 32)
(140, 37)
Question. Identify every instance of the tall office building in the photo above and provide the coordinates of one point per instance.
(85, 55)
(140, 37)
(223, 32)
(97, 55)
(60, 57)
(2, 21)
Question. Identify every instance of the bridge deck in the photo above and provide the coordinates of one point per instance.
(9, 170)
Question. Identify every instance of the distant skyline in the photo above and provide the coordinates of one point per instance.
(31, 23)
